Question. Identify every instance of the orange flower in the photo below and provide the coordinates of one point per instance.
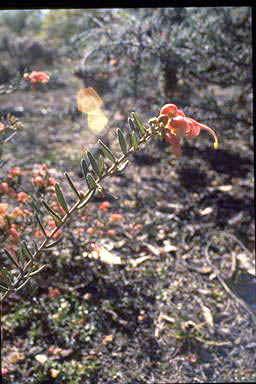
(104, 206)
(4, 187)
(2, 222)
(22, 197)
(179, 125)
(36, 77)
(111, 232)
(52, 180)
(39, 181)
(3, 209)
(2, 126)
(17, 212)
(90, 231)
(116, 217)
(53, 292)
(51, 223)
(15, 171)
(38, 234)
(14, 233)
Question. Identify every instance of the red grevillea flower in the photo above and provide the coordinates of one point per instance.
(36, 77)
(179, 125)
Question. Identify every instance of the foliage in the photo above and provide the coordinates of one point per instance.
(186, 54)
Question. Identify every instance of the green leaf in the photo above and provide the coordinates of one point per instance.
(84, 167)
(25, 251)
(138, 123)
(90, 194)
(61, 198)
(101, 164)
(6, 277)
(93, 163)
(91, 182)
(122, 141)
(134, 141)
(72, 185)
(52, 212)
(106, 151)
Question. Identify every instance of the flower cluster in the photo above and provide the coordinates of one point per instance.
(176, 125)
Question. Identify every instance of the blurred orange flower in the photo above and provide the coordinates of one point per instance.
(116, 217)
(104, 206)
(36, 77)
(2, 126)
(15, 171)
(22, 197)
(4, 187)
(2, 222)
(3, 209)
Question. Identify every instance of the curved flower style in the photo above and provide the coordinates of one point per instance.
(179, 125)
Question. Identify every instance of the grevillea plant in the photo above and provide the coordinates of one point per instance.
(170, 125)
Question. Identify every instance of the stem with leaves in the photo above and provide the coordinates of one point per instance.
(94, 170)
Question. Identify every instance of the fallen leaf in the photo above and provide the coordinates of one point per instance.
(168, 247)
(139, 260)
(41, 358)
(107, 339)
(207, 315)
(246, 263)
(102, 254)
(225, 188)
(154, 250)
(15, 356)
(206, 211)
(54, 373)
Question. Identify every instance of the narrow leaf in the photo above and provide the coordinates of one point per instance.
(52, 212)
(93, 163)
(12, 258)
(53, 243)
(138, 123)
(6, 277)
(123, 166)
(122, 141)
(41, 225)
(23, 284)
(84, 167)
(37, 270)
(61, 198)
(72, 184)
(91, 182)
(134, 141)
(25, 251)
(106, 151)
(3, 289)
(89, 196)
(101, 164)
(132, 126)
